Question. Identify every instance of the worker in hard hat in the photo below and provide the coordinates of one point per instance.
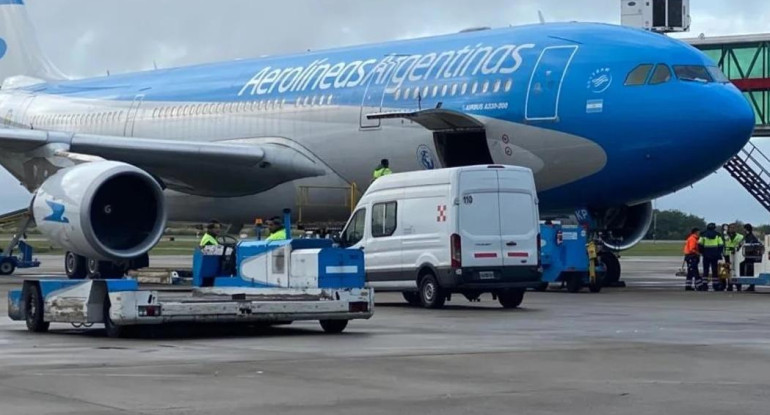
(276, 229)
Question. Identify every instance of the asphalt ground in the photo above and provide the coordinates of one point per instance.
(650, 348)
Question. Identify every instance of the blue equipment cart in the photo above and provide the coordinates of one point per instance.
(569, 258)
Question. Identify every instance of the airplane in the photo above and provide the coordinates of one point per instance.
(607, 117)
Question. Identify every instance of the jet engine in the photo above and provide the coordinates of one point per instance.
(102, 210)
(625, 226)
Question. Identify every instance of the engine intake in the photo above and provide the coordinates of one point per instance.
(625, 226)
(102, 210)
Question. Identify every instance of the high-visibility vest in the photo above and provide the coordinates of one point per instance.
(732, 243)
(714, 242)
(208, 240)
(279, 235)
(382, 171)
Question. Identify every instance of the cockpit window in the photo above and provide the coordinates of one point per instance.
(661, 75)
(638, 76)
(718, 75)
(693, 73)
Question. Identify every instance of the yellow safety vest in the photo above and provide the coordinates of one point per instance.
(712, 242)
(208, 240)
(277, 235)
(383, 171)
(732, 244)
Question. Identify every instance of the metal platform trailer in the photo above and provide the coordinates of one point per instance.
(754, 257)
(249, 281)
(569, 258)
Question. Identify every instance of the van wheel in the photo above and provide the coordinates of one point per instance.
(412, 298)
(33, 308)
(574, 283)
(333, 326)
(510, 298)
(431, 294)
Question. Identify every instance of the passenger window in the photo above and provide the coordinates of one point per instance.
(661, 75)
(443, 90)
(497, 86)
(416, 93)
(406, 93)
(508, 84)
(425, 91)
(435, 90)
(329, 101)
(398, 94)
(383, 219)
(485, 87)
(355, 230)
(454, 90)
(475, 88)
(638, 75)
(464, 88)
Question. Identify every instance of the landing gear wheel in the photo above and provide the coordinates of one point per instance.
(103, 270)
(543, 287)
(7, 267)
(33, 308)
(333, 326)
(612, 265)
(75, 266)
(596, 287)
(412, 298)
(510, 298)
(113, 330)
(431, 294)
(574, 283)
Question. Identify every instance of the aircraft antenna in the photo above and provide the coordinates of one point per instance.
(540, 17)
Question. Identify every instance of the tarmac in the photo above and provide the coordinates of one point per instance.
(650, 348)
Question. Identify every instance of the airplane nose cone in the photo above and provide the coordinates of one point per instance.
(726, 122)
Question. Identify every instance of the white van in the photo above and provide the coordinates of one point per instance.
(466, 230)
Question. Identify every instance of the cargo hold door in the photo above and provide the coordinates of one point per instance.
(479, 220)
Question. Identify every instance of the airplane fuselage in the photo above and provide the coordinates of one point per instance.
(549, 97)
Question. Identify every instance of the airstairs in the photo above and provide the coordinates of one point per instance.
(751, 168)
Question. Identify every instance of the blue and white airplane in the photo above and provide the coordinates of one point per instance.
(607, 117)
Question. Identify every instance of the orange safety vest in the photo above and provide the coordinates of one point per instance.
(691, 246)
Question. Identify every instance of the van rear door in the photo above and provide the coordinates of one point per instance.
(479, 218)
(519, 224)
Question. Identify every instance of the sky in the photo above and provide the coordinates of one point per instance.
(90, 37)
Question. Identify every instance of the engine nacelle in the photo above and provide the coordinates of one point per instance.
(625, 226)
(103, 210)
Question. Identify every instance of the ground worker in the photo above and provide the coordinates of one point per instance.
(747, 266)
(210, 237)
(692, 258)
(711, 247)
(276, 229)
(733, 241)
(382, 170)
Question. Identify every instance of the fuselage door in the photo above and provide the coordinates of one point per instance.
(374, 94)
(128, 130)
(545, 85)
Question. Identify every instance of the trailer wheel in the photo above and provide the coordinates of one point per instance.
(334, 326)
(412, 298)
(574, 283)
(431, 294)
(7, 267)
(113, 330)
(510, 298)
(75, 266)
(33, 308)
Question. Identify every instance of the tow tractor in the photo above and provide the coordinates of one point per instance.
(251, 281)
(568, 257)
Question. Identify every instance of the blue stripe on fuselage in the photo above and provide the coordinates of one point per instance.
(4, 2)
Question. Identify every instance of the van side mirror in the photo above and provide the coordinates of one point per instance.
(337, 238)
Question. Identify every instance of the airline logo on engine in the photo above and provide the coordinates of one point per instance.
(57, 213)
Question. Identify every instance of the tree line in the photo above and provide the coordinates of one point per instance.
(670, 225)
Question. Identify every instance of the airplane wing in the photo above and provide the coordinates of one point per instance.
(199, 168)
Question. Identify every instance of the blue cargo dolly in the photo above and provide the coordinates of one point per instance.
(10, 263)
(569, 258)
